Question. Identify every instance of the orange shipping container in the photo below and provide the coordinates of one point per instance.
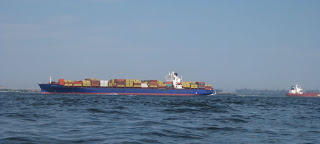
(61, 81)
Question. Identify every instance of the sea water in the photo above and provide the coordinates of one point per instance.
(38, 118)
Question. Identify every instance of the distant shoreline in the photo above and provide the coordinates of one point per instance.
(20, 90)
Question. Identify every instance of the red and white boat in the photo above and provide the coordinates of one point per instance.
(296, 90)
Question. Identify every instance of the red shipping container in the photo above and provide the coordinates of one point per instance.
(78, 82)
(95, 83)
(168, 82)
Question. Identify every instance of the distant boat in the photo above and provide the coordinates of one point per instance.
(296, 90)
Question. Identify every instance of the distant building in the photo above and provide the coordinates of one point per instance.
(1, 87)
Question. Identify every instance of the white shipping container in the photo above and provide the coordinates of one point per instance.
(103, 83)
(144, 85)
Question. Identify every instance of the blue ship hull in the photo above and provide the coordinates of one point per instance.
(53, 88)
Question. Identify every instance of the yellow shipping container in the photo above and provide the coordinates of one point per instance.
(86, 83)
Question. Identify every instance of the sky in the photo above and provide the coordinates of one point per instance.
(231, 44)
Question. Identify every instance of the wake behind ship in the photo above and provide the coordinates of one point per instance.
(173, 85)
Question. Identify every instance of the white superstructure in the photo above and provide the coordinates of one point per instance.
(176, 81)
(296, 89)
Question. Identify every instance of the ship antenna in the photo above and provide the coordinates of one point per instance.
(50, 79)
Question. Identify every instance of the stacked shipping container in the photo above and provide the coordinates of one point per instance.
(201, 84)
(95, 83)
(161, 84)
(77, 83)
(120, 82)
(61, 81)
(86, 83)
(131, 83)
(153, 83)
(169, 84)
(193, 85)
(68, 82)
(103, 83)
(137, 84)
(186, 84)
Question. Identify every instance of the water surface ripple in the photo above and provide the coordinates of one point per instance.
(37, 118)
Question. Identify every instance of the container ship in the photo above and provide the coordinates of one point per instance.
(296, 90)
(173, 85)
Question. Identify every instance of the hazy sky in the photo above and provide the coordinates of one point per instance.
(231, 44)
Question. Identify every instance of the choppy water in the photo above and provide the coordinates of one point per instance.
(37, 118)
